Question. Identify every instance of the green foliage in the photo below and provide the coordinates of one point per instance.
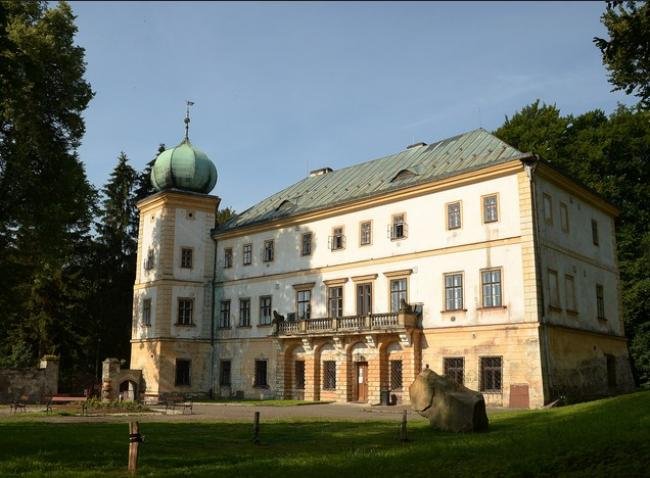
(224, 214)
(607, 438)
(611, 155)
(626, 54)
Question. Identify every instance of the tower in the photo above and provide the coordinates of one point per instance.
(172, 297)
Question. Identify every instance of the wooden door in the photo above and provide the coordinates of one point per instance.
(362, 381)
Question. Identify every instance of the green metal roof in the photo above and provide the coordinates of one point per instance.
(184, 167)
(466, 152)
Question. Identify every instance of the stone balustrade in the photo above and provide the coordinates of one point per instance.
(348, 324)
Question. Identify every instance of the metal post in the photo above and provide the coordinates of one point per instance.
(256, 429)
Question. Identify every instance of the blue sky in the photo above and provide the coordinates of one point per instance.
(283, 88)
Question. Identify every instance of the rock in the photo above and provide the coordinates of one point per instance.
(448, 405)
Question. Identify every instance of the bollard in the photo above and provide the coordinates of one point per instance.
(134, 442)
(403, 437)
(256, 429)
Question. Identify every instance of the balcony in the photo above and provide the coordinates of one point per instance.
(351, 324)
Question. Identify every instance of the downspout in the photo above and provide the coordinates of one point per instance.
(212, 337)
(547, 379)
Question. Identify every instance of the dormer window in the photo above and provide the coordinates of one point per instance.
(403, 175)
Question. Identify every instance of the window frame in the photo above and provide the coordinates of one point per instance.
(595, 235)
(482, 369)
(268, 253)
(600, 302)
(223, 375)
(394, 224)
(448, 216)
(361, 231)
(482, 285)
(187, 300)
(447, 366)
(306, 316)
(244, 312)
(247, 253)
(547, 211)
(446, 288)
(263, 307)
(187, 252)
(225, 323)
(150, 260)
(564, 217)
(227, 257)
(484, 209)
(570, 295)
(390, 292)
(329, 377)
(338, 299)
(372, 294)
(392, 380)
(257, 383)
(553, 296)
(177, 373)
(303, 250)
(337, 239)
(146, 311)
(299, 384)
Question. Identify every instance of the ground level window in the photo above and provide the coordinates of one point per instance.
(395, 374)
(260, 373)
(491, 372)
(454, 368)
(225, 374)
(183, 368)
(329, 375)
(300, 374)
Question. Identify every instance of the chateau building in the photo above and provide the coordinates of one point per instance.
(465, 256)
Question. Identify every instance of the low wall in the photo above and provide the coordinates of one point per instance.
(30, 385)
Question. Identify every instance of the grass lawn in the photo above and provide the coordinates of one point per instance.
(607, 438)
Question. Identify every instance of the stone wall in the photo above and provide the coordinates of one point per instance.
(30, 385)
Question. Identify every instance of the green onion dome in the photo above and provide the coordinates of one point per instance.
(184, 167)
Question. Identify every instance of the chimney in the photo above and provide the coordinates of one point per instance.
(416, 145)
(320, 172)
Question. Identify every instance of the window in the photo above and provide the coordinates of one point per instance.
(337, 241)
(185, 306)
(244, 312)
(397, 294)
(365, 233)
(183, 368)
(490, 374)
(611, 370)
(227, 258)
(306, 244)
(553, 289)
(300, 374)
(146, 311)
(491, 287)
(186, 258)
(329, 375)
(224, 373)
(453, 215)
(248, 254)
(398, 228)
(149, 261)
(334, 301)
(265, 310)
(224, 315)
(570, 293)
(453, 291)
(548, 209)
(268, 251)
(454, 368)
(600, 302)
(396, 375)
(594, 232)
(303, 298)
(364, 299)
(564, 217)
(260, 374)
(490, 208)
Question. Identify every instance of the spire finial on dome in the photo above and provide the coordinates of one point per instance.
(187, 120)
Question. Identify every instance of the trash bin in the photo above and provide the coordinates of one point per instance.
(384, 397)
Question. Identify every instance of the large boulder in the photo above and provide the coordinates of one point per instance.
(448, 405)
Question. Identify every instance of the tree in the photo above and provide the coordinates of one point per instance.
(626, 54)
(46, 201)
(143, 186)
(224, 214)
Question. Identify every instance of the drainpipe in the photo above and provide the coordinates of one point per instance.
(212, 351)
(547, 379)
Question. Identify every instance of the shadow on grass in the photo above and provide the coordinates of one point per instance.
(604, 438)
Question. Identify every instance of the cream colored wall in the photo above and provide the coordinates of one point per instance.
(242, 355)
(574, 253)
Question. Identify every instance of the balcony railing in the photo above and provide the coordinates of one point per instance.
(349, 324)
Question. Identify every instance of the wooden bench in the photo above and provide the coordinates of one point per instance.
(187, 407)
(17, 405)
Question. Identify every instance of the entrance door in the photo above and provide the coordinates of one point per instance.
(362, 381)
